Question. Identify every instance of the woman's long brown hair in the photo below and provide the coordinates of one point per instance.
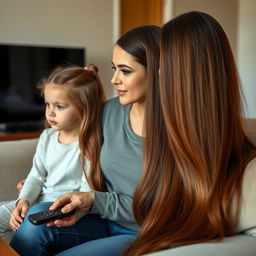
(197, 151)
(86, 92)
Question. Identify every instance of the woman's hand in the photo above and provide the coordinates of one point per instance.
(81, 201)
(19, 213)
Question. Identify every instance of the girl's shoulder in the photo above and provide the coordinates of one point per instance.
(48, 134)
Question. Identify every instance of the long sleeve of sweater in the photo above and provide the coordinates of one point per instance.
(121, 162)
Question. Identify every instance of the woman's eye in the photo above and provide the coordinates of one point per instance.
(47, 104)
(125, 71)
(113, 68)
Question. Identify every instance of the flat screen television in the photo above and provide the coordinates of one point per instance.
(21, 68)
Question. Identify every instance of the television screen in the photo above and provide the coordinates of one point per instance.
(21, 68)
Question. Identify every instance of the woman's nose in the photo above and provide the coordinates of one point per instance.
(115, 80)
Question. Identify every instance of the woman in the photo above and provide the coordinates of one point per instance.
(110, 226)
(200, 168)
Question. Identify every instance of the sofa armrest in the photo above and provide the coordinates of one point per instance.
(15, 163)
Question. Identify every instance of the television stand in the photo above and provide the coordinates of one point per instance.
(20, 130)
(19, 135)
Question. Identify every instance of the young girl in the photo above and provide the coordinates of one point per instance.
(74, 98)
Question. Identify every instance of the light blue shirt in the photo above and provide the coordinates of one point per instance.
(56, 170)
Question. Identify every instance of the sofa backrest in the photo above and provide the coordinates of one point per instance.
(16, 160)
(250, 129)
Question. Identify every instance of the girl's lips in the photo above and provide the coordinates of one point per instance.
(52, 122)
(121, 92)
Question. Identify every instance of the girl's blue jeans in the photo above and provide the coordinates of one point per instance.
(90, 236)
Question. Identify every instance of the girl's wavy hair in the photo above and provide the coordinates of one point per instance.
(197, 152)
(86, 92)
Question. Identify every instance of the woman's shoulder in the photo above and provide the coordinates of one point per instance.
(113, 111)
(114, 102)
(113, 106)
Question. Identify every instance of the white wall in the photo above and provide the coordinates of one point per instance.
(238, 18)
(247, 53)
(89, 23)
(224, 11)
(86, 23)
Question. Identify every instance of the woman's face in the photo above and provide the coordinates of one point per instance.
(130, 77)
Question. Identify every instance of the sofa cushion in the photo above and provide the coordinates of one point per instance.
(15, 163)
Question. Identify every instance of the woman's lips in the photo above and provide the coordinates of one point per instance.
(121, 92)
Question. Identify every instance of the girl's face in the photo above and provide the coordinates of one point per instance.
(60, 113)
(129, 78)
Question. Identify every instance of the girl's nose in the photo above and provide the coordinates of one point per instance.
(51, 112)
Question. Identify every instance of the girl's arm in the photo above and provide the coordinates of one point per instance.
(20, 185)
(37, 175)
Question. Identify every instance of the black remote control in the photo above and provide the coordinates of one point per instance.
(48, 215)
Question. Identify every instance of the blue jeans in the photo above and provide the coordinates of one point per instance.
(90, 236)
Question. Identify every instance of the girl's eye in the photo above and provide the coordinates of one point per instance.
(60, 107)
(114, 68)
(47, 104)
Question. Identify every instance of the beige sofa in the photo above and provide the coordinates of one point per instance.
(16, 160)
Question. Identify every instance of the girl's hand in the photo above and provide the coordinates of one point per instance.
(19, 213)
(81, 201)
